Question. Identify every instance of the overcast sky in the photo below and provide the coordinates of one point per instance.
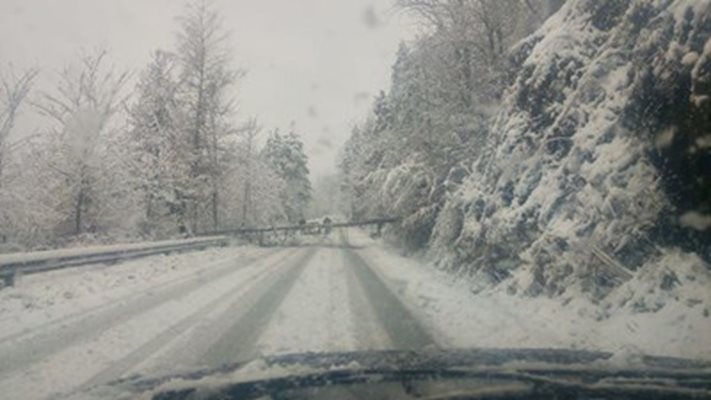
(317, 63)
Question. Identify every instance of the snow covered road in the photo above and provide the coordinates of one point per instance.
(69, 330)
(245, 303)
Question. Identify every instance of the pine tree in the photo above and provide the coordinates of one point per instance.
(285, 155)
(159, 149)
(206, 78)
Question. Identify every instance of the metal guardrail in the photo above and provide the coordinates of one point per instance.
(12, 265)
(10, 268)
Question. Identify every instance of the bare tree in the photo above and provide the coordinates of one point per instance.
(13, 92)
(473, 37)
(87, 96)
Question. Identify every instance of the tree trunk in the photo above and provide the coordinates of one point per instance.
(193, 217)
(246, 201)
(149, 214)
(1, 166)
(180, 212)
(215, 200)
(78, 211)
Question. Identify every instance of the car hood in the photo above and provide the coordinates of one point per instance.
(269, 375)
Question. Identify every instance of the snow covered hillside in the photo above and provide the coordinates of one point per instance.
(580, 170)
(588, 172)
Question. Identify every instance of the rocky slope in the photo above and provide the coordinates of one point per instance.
(596, 172)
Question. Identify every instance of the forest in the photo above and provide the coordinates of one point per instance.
(170, 156)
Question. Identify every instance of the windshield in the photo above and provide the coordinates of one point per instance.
(191, 185)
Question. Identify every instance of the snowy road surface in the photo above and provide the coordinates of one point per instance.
(245, 303)
(69, 330)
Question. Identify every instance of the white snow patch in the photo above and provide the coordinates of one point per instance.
(665, 138)
(43, 298)
(496, 319)
(690, 58)
(695, 220)
(316, 314)
(704, 142)
(700, 100)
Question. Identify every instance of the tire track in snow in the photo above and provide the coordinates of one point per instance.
(197, 318)
(404, 330)
(238, 344)
(51, 376)
(317, 314)
(18, 354)
(77, 317)
(369, 333)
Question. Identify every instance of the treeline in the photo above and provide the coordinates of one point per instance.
(423, 134)
(565, 157)
(168, 158)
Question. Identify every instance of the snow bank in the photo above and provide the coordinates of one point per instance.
(51, 296)
(91, 250)
(495, 319)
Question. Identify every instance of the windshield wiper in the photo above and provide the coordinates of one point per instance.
(497, 383)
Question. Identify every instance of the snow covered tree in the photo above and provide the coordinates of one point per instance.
(159, 148)
(471, 39)
(423, 135)
(326, 197)
(267, 187)
(87, 97)
(205, 81)
(285, 156)
(166, 171)
(249, 163)
(28, 216)
(252, 193)
(14, 90)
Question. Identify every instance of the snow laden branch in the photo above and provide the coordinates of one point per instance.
(14, 90)
(87, 97)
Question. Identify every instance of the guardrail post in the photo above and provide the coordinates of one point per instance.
(9, 278)
(379, 231)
